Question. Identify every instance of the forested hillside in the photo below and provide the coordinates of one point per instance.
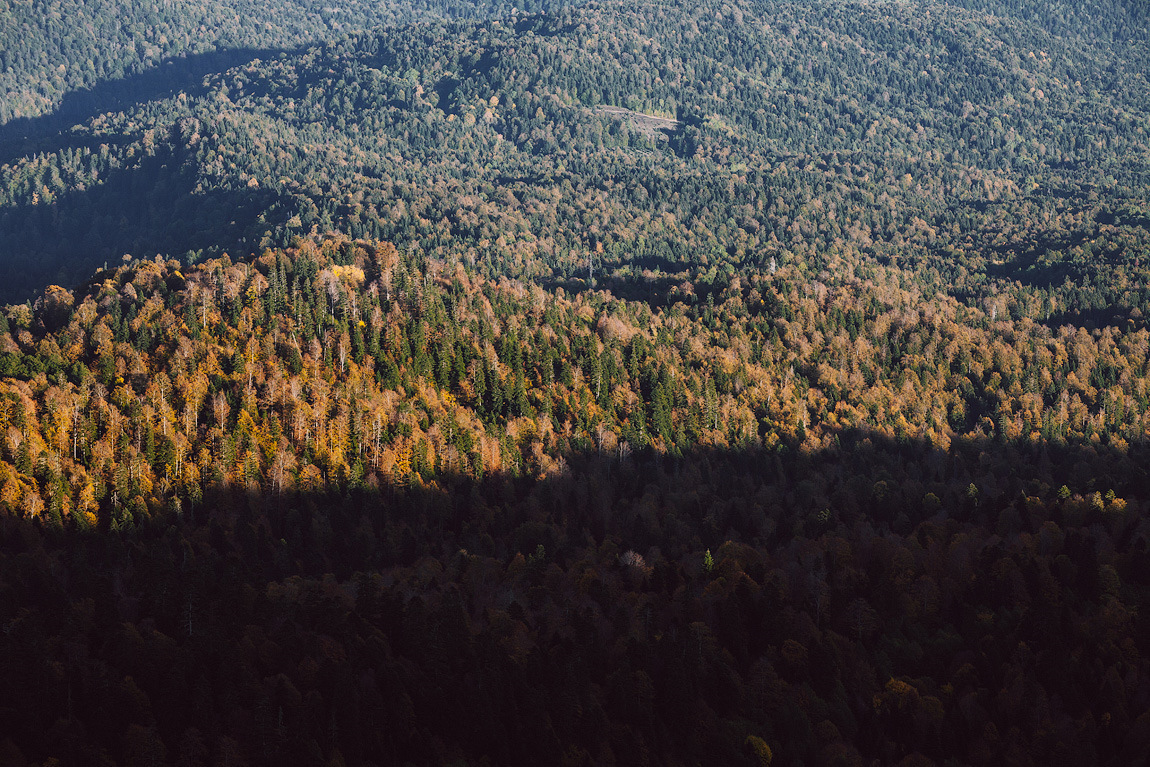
(351, 502)
(628, 383)
(979, 150)
(54, 53)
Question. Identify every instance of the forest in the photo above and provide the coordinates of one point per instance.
(992, 157)
(628, 383)
(58, 54)
(347, 503)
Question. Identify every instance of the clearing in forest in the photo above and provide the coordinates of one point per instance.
(649, 126)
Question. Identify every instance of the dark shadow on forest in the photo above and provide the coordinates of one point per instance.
(506, 617)
(154, 208)
(26, 136)
(703, 498)
(652, 279)
(1024, 267)
(1090, 319)
(654, 291)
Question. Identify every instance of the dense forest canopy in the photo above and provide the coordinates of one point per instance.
(992, 154)
(50, 49)
(824, 523)
(627, 382)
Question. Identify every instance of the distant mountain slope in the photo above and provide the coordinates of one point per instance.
(981, 150)
(50, 48)
(1120, 21)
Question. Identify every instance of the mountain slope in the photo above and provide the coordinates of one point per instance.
(980, 150)
(725, 383)
(467, 520)
(50, 49)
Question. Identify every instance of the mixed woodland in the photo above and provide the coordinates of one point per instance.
(984, 153)
(345, 502)
(629, 383)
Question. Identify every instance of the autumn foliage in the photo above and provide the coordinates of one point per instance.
(346, 503)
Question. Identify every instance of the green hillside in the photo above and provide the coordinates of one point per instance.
(52, 52)
(978, 150)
